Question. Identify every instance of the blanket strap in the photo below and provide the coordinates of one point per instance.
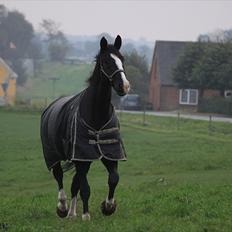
(103, 132)
(97, 134)
(106, 141)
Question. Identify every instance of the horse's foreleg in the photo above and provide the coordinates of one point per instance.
(85, 194)
(74, 190)
(113, 180)
(109, 205)
(62, 207)
(80, 182)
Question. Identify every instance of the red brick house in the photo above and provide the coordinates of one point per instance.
(163, 92)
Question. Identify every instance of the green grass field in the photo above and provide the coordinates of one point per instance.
(72, 79)
(174, 180)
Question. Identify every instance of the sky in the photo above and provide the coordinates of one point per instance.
(151, 20)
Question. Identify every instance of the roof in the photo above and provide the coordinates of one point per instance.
(167, 53)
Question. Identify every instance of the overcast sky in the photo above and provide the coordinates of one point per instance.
(165, 20)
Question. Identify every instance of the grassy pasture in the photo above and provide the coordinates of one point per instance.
(72, 79)
(174, 180)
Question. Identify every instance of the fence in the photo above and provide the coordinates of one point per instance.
(35, 103)
(207, 124)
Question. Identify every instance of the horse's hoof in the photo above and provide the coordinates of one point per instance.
(86, 217)
(60, 213)
(108, 208)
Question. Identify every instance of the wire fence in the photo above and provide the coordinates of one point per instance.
(178, 121)
(207, 124)
(35, 102)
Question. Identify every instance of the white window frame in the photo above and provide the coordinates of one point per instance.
(188, 97)
(226, 93)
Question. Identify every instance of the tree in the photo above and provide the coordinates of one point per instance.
(218, 36)
(228, 35)
(58, 45)
(205, 65)
(15, 36)
(217, 64)
(144, 50)
(17, 66)
(137, 73)
(186, 64)
(128, 48)
(35, 52)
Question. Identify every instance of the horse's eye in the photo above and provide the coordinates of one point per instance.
(107, 63)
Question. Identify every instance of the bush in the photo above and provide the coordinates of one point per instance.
(17, 66)
(218, 105)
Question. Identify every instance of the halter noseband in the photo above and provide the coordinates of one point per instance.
(110, 77)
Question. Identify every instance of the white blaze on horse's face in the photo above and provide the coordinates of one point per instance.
(126, 84)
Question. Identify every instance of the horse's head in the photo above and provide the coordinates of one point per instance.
(111, 65)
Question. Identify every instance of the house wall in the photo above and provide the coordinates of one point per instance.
(163, 94)
(154, 87)
(169, 98)
(211, 93)
(4, 74)
(11, 92)
(9, 96)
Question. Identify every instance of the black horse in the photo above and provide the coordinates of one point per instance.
(82, 128)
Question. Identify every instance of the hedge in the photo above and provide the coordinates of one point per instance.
(217, 105)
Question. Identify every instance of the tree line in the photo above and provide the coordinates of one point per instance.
(19, 40)
(136, 67)
(16, 34)
(206, 64)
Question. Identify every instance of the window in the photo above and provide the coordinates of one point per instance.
(188, 97)
(228, 94)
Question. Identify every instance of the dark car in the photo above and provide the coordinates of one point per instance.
(130, 102)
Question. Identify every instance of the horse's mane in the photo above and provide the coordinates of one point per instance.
(92, 79)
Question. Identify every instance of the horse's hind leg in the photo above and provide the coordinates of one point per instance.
(62, 208)
(80, 182)
(108, 206)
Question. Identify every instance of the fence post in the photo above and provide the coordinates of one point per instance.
(144, 115)
(210, 124)
(178, 120)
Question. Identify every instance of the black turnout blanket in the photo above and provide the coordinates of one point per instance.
(67, 137)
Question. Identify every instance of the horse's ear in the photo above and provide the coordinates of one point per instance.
(118, 42)
(103, 43)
